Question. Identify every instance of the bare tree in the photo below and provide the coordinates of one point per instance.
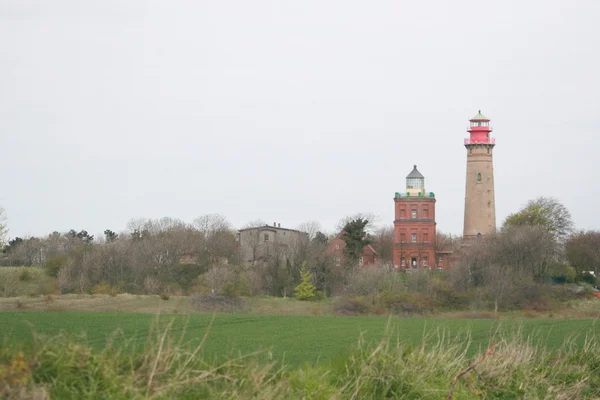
(383, 242)
(311, 228)
(527, 249)
(211, 223)
(3, 228)
(218, 237)
(583, 251)
(445, 243)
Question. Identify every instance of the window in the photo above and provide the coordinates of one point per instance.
(361, 261)
(439, 260)
(337, 246)
(426, 213)
(414, 237)
(403, 213)
(479, 177)
(413, 261)
(337, 261)
(403, 262)
(425, 264)
(402, 237)
(414, 214)
(425, 238)
(266, 237)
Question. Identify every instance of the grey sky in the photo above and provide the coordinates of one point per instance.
(289, 110)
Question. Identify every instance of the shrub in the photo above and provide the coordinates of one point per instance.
(172, 288)
(184, 274)
(218, 303)
(151, 285)
(165, 296)
(588, 278)
(54, 264)
(443, 297)
(10, 285)
(305, 290)
(407, 303)
(570, 274)
(102, 288)
(350, 306)
(229, 289)
(48, 287)
(25, 276)
(319, 295)
(216, 278)
(418, 280)
(369, 281)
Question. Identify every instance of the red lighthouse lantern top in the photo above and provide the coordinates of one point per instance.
(480, 130)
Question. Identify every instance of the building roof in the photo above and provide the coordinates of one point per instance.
(415, 173)
(369, 247)
(270, 227)
(479, 117)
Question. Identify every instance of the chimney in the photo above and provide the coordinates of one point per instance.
(278, 225)
(274, 224)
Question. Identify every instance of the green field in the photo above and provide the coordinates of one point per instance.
(293, 339)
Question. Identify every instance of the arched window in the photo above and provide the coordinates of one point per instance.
(479, 177)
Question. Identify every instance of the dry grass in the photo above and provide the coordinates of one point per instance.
(581, 309)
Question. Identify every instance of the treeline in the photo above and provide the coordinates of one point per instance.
(169, 255)
(519, 266)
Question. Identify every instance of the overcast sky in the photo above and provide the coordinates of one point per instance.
(290, 111)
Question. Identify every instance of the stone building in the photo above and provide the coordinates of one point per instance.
(480, 205)
(264, 243)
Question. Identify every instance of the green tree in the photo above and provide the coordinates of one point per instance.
(356, 238)
(12, 245)
(305, 290)
(544, 212)
(110, 236)
(85, 237)
(320, 238)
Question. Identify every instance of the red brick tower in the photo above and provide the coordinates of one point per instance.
(414, 225)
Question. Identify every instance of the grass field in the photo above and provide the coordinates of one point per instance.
(293, 339)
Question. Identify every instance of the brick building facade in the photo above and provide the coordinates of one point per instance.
(415, 226)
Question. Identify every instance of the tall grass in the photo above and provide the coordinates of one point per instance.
(166, 366)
